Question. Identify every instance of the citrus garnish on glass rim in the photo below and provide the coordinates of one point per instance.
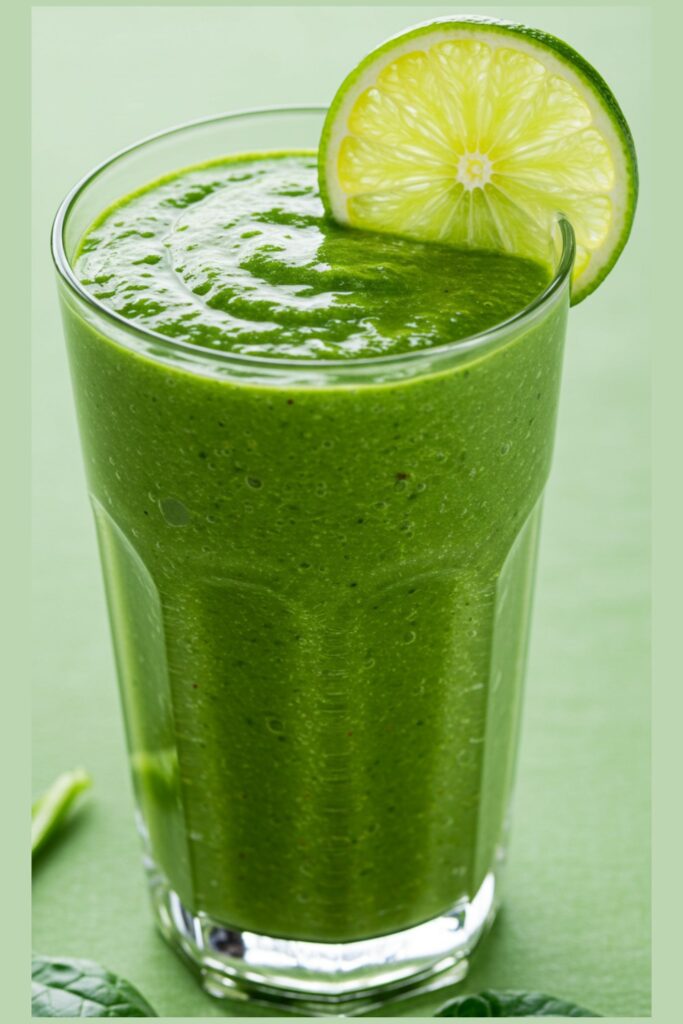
(477, 133)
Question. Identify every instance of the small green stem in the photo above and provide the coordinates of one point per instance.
(50, 810)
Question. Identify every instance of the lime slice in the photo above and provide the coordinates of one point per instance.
(477, 133)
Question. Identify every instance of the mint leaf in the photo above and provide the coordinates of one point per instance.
(50, 810)
(512, 1004)
(62, 987)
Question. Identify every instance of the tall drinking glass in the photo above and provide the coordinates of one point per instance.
(319, 578)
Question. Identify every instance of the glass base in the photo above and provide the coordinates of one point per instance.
(319, 978)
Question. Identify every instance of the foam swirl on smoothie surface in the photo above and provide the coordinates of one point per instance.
(239, 256)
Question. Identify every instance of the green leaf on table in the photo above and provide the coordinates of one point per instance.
(512, 1004)
(50, 810)
(62, 987)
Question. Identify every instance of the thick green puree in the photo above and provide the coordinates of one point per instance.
(238, 256)
(319, 587)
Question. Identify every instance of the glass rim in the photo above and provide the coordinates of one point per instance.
(226, 358)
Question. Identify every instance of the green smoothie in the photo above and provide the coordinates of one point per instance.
(319, 585)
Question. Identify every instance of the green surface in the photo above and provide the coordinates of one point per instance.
(319, 595)
(239, 256)
(577, 911)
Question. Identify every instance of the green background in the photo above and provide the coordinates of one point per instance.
(576, 919)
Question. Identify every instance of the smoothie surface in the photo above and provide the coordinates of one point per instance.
(238, 255)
